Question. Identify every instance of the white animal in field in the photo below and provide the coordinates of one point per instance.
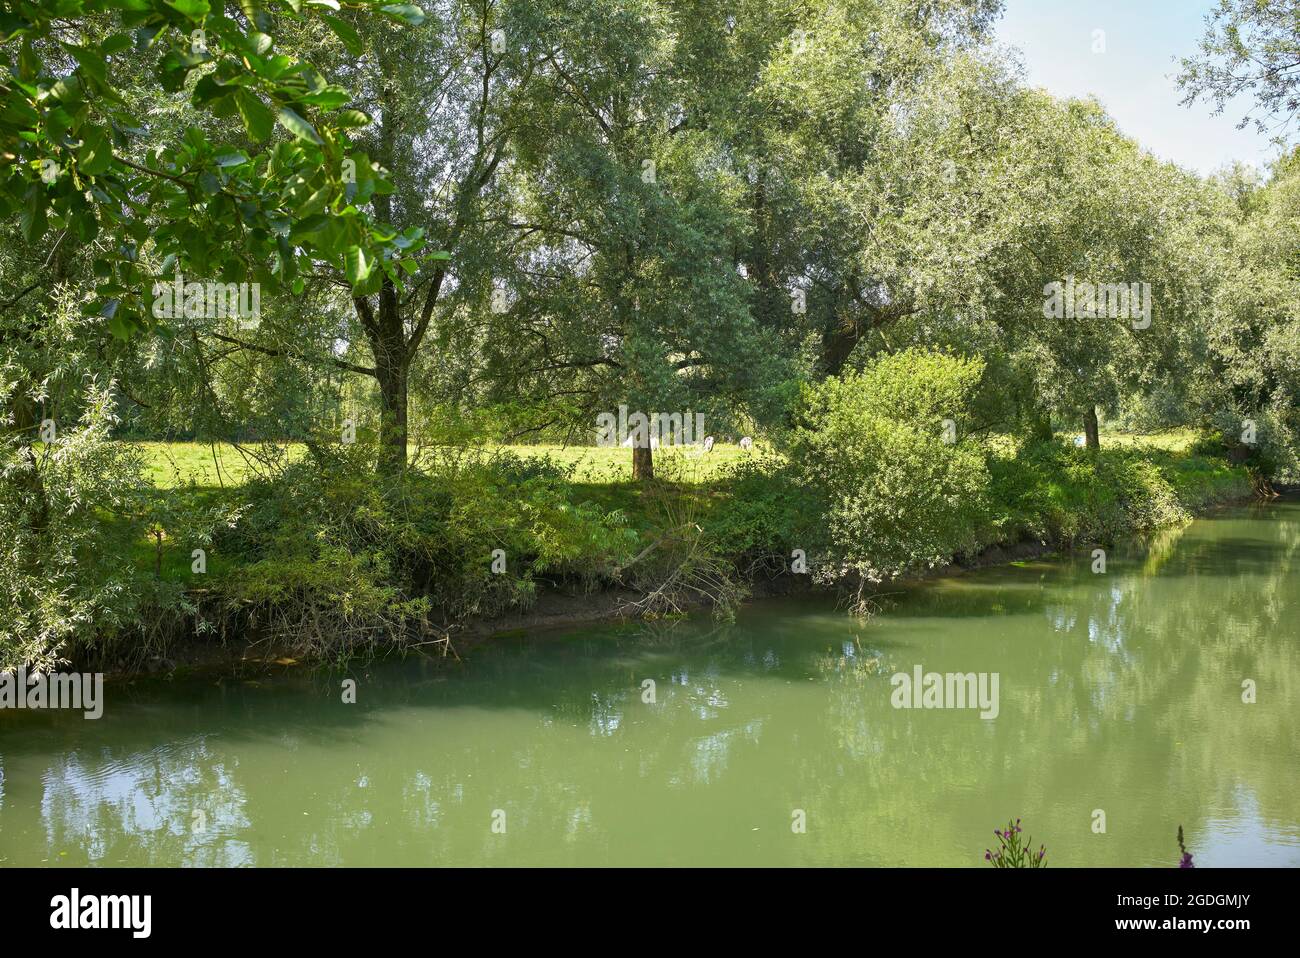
(1080, 441)
(746, 444)
(708, 443)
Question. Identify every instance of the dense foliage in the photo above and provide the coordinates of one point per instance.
(900, 494)
(848, 229)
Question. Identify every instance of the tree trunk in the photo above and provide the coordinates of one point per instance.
(772, 303)
(392, 366)
(839, 343)
(388, 335)
(1090, 428)
(836, 349)
(392, 424)
(643, 466)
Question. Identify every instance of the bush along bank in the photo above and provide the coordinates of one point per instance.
(320, 558)
(901, 490)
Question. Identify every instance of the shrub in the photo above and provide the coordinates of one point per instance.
(1062, 494)
(759, 513)
(69, 510)
(1272, 453)
(683, 562)
(896, 497)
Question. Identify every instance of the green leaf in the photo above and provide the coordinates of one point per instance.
(346, 119)
(209, 88)
(67, 90)
(357, 267)
(10, 24)
(273, 68)
(345, 32)
(96, 155)
(193, 9)
(120, 326)
(115, 44)
(90, 61)
(29, 64)
(145, 36)
(261, 42)
(329, 98)
(314, 203)
(309, 225)
(86, 226)
(296, 125)
(407, 12)
(288, 262)
(257, 116)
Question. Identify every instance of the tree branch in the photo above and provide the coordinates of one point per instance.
(288, 354)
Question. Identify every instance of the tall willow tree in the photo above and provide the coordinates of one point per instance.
(622, 288)
(838, 95)
(1251, 372)
(943, 214)
(1117, 222)
(682, 195)
(443, 98)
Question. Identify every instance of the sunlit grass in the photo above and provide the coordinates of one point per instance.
(1175, 440)
(173, 465)
(179, 464)
(593, 464)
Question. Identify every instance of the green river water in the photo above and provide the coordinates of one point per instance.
(1120, 692)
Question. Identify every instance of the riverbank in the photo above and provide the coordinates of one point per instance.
(745, 529)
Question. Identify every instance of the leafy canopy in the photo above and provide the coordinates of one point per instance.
(263, 207)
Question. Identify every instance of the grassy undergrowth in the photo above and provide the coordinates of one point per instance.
(753, 503)
(309, 549)
(172, 465)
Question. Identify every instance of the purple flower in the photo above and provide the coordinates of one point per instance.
(1010, 853)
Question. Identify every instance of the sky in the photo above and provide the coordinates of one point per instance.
(1134, 78)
